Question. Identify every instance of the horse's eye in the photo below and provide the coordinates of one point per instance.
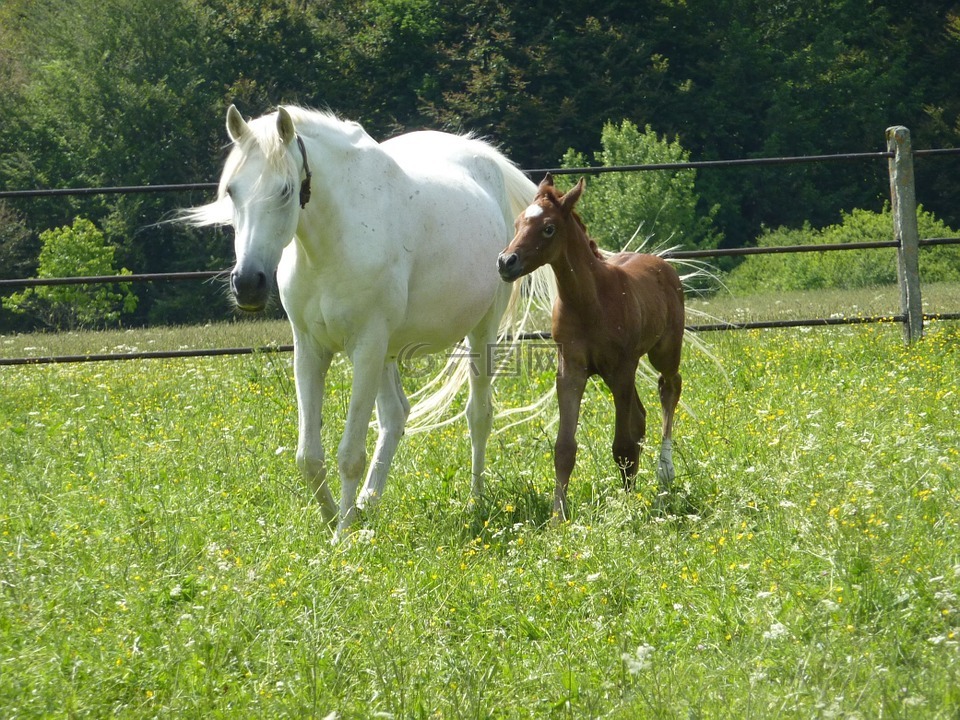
(549, 230)
(286, 191)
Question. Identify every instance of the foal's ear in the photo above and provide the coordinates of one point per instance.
(285, 126)
(573, 194)
(236, 125)
(547, 182)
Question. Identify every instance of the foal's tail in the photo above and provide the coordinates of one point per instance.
(530, 303)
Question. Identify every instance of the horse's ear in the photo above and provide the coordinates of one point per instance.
(236, 125)
(547, 182)
(572, 196)
(285, 126)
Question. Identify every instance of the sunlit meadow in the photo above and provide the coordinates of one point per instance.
(158, 557)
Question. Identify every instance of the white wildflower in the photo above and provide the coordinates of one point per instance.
(776, 631)
(365, 536)
(639, 660)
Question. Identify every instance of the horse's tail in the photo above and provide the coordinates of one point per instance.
(530, 302)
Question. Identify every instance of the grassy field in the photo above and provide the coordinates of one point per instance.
(158, 558)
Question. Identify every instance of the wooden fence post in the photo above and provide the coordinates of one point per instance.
(903, 203)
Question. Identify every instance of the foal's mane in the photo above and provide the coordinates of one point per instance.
(554, 197)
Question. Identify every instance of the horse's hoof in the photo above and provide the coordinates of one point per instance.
(367, 499)
(340, 534)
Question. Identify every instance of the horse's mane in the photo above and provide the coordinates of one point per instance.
(263, 139)
(263, 135)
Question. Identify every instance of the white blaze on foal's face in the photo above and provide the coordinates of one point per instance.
(533, 211)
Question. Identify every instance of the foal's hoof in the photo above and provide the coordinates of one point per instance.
(665, 473)
(662, 505)
(560, 516)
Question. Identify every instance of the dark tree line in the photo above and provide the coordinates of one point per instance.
(116, 92)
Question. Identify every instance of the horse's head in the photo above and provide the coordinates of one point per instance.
(542, 230)
(260, 181)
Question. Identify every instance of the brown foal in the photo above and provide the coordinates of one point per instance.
(610, 311)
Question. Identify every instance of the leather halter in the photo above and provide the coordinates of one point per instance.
(305, 183)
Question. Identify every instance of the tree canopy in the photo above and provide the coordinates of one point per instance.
(114, 92)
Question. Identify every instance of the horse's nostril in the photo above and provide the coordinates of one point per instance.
(506, 262)
(249, 289)
(251, 281)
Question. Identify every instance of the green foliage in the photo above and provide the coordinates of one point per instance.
(843, 269)
(129, 92)
(661, 206)
(75, 251)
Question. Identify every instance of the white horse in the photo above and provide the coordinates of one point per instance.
(396, 250)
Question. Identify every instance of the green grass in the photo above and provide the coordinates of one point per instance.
(792, 305)
(158, 557)
(241, 332)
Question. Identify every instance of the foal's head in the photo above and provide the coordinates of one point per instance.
(542, 230)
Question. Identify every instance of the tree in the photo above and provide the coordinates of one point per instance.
(130, 92)
(658, 205)
(75, 251)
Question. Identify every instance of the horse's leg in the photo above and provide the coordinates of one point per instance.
(571, 381)
(310, 365)
(369, 357)
(392, 412)
(480, 402)
(479, 417)
(630, 427)
(670, 387)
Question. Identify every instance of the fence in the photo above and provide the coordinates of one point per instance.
(899, 156)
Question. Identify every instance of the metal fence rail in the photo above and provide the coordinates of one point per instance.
(899, 156)
(669, 254)
(274, 349)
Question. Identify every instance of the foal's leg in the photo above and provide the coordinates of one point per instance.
(571, 381)
(310, 365)
(392, 412)
(670, 387)
(630, 428)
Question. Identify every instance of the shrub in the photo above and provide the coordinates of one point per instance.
(847, 269)
(75, 251)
